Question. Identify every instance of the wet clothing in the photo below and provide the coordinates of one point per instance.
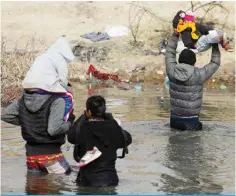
(49, 71)
(186, 81)
(41, 121)
(107, 136)
(185, 123)
(53, 163)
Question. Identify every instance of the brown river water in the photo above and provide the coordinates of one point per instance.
(160, 160)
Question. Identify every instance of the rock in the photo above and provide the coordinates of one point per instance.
(123, 75)
(151, 52)
(122, 86)
(126, 81)
(83, 78)
(87, 53)
(154, 75)
(224, 78)
(110, 83)
(138, 68)
(137, 77)
(160, 72)
(94, 81)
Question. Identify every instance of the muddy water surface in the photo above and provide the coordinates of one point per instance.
(161, 160)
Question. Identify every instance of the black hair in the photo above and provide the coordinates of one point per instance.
(97, 106)
(176, 18)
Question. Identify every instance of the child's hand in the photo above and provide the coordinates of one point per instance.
(72, 117)
(176, 33)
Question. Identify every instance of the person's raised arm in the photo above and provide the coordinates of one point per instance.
(170, 56)
(208, 70)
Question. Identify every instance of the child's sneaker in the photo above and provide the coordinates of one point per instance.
(90, 156)
(227, 47)
(226, 43)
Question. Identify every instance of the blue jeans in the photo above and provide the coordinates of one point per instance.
(205, 41)
(185, 123)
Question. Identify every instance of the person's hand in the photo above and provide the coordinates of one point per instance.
(72, 117)
(175, 33)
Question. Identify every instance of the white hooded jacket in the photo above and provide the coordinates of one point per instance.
(49, 71)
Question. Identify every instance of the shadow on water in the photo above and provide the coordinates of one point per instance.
(161, 160)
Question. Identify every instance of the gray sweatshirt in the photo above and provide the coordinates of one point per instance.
(33, 102)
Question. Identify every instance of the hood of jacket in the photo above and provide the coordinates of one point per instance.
(105, 130)
(34, 102)
(60, 47)
(183, 72)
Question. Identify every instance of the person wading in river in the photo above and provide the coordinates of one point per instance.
(43, 128)
(44, 114)
(97, 136)
(186, 84)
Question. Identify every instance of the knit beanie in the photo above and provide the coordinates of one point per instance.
(189, 16)
(187, 57)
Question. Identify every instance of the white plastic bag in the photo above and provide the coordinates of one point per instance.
(117, 31)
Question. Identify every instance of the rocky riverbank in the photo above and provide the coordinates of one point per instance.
(132, 61)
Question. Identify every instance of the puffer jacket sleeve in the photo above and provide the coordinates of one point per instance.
(170, 56)
(204, 73)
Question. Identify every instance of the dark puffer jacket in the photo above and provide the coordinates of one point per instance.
(186, 81)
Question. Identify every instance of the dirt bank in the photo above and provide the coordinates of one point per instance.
(29, 28)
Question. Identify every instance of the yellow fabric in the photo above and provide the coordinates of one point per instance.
(189, 24)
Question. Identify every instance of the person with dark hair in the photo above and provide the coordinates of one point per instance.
(97, 136)
(41, 118)
(186, 84)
